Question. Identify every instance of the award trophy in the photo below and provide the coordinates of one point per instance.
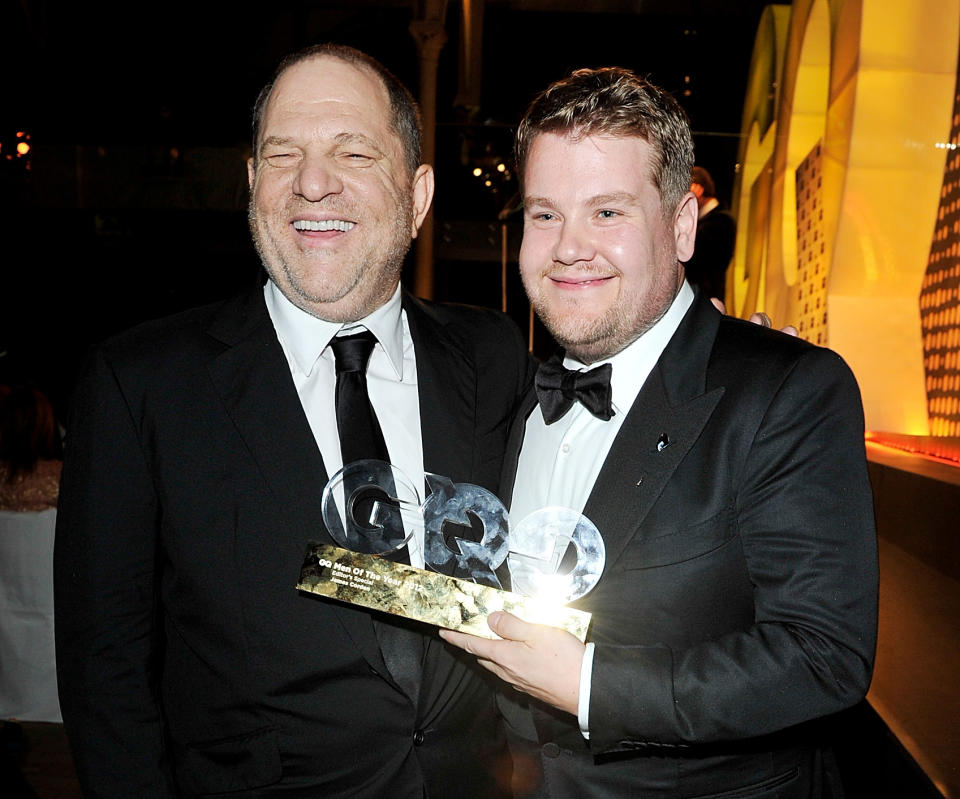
(373, 511)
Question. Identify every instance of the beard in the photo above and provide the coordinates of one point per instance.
(365, 276)
(590, 336)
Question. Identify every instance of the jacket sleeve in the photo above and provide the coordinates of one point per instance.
(107, 626)
(802, 510)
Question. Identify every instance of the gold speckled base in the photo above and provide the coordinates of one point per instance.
(426, 596)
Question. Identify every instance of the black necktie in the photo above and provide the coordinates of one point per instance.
(361, 438)
(558, 388)
(360, 433)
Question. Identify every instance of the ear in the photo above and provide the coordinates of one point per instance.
(422, 196)
(685, 226)
(251, 172)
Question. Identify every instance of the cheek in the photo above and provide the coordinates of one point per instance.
(535, 248)
(268, 195)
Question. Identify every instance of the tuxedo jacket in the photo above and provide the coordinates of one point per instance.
(189, 664)
(738, 600)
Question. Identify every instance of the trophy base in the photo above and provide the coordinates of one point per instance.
(379, 584)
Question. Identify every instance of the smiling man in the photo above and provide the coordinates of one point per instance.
(198, 451)
(725, 470)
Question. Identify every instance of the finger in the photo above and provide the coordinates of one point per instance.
(760, 318)
(790, 330)
(718, 304)
(471, 644)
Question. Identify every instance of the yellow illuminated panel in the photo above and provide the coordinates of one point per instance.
(812, 262)
(940, 297)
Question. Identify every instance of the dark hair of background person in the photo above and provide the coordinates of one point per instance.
(28, 430)
(613, 101)
(702, 177)
(405, 121)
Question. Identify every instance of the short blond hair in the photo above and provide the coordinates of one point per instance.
(616, 102)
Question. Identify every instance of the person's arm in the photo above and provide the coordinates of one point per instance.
(105, 567)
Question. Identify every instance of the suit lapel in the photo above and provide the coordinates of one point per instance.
(257, 390)
(666, 419)
(447, 389)
(514, 444)
(654, 439)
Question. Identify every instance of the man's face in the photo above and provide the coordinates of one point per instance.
(332, 206)
(599, 258)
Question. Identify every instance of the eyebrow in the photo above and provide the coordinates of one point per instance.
(613, 198)
(357, 138)
(543, 202)
(275, 141)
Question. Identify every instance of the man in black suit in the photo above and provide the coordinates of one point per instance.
(723, 464)
(198, 451)
(716, 238)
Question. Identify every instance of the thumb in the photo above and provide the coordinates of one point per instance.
(508, 626)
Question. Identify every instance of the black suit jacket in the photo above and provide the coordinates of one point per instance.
(738, 600)
(188, 663)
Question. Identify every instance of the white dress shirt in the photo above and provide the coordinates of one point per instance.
(391, 383)
(559, 463)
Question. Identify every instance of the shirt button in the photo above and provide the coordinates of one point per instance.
(551, 750)
(418, 737)
(565, 449)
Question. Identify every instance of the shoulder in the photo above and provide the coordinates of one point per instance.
(473, 329)
(752, 357)
(489, 341)
(184, 336)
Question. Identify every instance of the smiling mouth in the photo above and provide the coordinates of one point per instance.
(579, 281)
(324, 225)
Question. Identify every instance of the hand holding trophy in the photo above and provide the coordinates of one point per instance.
(374, 514)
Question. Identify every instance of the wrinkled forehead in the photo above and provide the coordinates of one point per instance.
(327, 86)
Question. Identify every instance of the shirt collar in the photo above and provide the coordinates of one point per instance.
(305, 337)
(707, 207)
(633, 364)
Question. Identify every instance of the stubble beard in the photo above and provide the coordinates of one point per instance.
(591, 338)
(371, 275)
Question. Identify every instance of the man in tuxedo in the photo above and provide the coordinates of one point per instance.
(722, 462)
(197, 456)
(716, 238)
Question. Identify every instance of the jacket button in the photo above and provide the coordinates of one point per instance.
(551, 750)
(418, 737)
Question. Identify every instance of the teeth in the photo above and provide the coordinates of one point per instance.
(327, 224)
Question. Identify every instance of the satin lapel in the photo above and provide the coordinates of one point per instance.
(448, 391)
(258, 393)
(514, 444)
(666, 419)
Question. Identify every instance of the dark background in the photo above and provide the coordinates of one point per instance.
(131, 201)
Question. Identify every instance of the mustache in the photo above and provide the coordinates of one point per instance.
(579, 270)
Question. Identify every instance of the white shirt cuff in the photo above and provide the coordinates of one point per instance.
(583, 703)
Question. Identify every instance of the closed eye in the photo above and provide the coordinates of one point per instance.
(280, 159)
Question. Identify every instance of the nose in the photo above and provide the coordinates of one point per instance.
(317, 178)
(573, 245)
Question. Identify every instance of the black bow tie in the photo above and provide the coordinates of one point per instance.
(558, 388)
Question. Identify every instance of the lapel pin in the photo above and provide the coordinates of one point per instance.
(639, 481)
(663, 442)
